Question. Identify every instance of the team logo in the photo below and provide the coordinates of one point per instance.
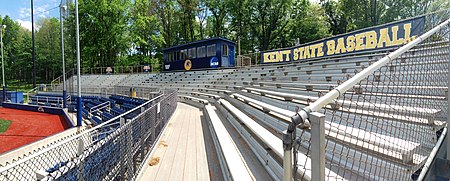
(187, 65)
(167, 66)
(41, 109)
(214, 62)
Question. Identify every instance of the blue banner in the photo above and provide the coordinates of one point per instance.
(375, 38)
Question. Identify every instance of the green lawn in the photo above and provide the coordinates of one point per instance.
(4, 124)
(23, 88)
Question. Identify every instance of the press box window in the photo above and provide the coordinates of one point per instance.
(183, 54)
(171, 57)
(211, 50)
(192, 53)
(224, 50)
(201, 52)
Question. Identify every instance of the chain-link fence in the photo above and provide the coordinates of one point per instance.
(389, 114)
(113, 150)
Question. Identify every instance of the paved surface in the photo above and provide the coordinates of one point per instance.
(181, 153)
(28, 127)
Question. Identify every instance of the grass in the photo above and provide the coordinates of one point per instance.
(4, 124)
(22, 88)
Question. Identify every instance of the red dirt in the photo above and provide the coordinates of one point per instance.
(28, 127)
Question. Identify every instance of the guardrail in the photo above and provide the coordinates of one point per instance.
(97, 153)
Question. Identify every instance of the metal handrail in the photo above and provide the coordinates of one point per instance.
(28, 93)
(100, 106)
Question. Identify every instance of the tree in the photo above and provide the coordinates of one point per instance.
(308, 23)
(187, 10)
(104, 31)
(202, 14)
(335, 16)
(146, 39)
(165, 11)
(239, 12)
(269, 20)
(48, 49)
(219, 14)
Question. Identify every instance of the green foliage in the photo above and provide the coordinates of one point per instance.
(4, 125)
(48, 49)
(134, 32)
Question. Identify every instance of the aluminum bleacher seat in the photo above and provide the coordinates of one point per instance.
(235, 163)
(272, 141)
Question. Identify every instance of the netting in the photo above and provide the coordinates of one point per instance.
(114, 150)
(386, 126)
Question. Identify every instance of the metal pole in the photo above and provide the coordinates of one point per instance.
(32, 45)
(287, 158)
(79, 107)
(448, 100)
(317, 146)
(3, 64)
(61, 9)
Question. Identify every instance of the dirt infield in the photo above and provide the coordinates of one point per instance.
(28, 127)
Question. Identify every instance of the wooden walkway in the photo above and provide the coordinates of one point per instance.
(181, 153)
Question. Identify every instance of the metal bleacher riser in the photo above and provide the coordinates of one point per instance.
(325, 71)
(270, 123)
(267, 140)
(371, 119)
(235, 165)
(302, 99)
(346, 63)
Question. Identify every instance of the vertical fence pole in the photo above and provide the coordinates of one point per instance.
(79, 101)
(448, 100)
(81, 165)
(317, 145)
(61, 9)
(287, 159)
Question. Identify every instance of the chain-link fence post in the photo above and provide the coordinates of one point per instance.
(448, 99)
(81, 164)
(287, 160)
(317, 121)
(143, 135)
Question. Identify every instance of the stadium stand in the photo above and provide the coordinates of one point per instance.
(277, 91)
(383, 128)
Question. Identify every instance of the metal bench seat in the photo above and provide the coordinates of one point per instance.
(235, 163)
(386, 145)
(274, 143)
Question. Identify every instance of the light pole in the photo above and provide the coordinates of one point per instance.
(61, 10)
(3, 63)
(77, 32)
(33, 51)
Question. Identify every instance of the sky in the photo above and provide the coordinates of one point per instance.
(19, 10)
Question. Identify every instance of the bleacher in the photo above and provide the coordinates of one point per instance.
(387, 136)
(96, 109)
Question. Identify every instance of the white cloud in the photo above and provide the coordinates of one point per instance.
(24, 12)
(25, 24)
(39, 11)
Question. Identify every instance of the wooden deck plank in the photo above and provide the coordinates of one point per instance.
(155, 158)
(190, 168)
(181, 151)
(178, 163)
(168, 159)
